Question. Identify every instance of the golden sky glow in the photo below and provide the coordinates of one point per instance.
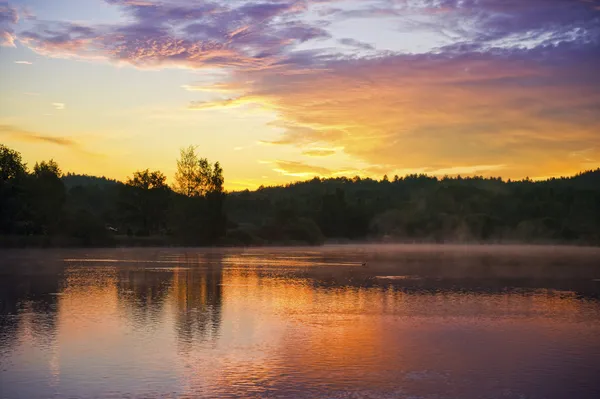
(282, 90)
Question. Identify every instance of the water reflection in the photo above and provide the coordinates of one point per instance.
(142, 294)
(29, 303)
(297, 323)
(197, 305)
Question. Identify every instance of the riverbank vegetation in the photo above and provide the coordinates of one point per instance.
(44, 207)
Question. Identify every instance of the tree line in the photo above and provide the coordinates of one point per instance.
(42, 206)
(421, 208)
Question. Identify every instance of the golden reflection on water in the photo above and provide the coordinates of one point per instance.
(227, 325)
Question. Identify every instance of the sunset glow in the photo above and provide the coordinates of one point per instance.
(284, 90)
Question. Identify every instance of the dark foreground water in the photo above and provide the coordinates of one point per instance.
(417, 322)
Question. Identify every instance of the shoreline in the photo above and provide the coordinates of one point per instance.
(42, 243)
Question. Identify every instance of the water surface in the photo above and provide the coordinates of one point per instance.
(416, 322)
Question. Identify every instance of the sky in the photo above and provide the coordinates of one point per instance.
(284, 90)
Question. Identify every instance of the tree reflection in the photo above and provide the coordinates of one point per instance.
(198, 301)
(142, 293)
(29, 300)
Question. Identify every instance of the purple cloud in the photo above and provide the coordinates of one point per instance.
(250, 34)
(532, 21)
(8, 18)
(485, 22)
(262, 34)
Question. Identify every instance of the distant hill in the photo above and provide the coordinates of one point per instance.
(421, 207)
(76, 180)
(589, 180)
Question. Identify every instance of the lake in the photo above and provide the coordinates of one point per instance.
(416, 321)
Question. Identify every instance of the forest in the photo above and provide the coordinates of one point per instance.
(44, 207)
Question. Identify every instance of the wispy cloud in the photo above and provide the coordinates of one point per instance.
(58, 106)
(318, 153)
(299, 169)
(17, 133)
(215, 88)
(465, 170)
(356, 44)
(228, 103)
(24, 62)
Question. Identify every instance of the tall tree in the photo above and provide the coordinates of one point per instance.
(199, 215)
(145, 201)
(47, 197)
(186, 177)
(147, 180)
(12, 202)
(195, 176)
(11, 164)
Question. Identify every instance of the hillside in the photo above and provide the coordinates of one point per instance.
(431, 209)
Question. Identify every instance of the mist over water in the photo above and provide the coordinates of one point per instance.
(416, 321)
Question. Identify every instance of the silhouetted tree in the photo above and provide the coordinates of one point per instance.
(198, 215)
(11, 164)
(12, 191)
(145, 201)
(47, 196)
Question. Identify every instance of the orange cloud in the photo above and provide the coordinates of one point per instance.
(520, 113)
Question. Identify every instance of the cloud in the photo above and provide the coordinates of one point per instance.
(17, 133)
(296, 132)
(525, 109)
(465, 170)
(486, 22)
(8, 18)
(318, 153)
(221, 104)
(506, 85)
(356, 44)
(299, 169)
(259, 34)
(214, 88)
(24, 62)
(249, 34)
(58, 106)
